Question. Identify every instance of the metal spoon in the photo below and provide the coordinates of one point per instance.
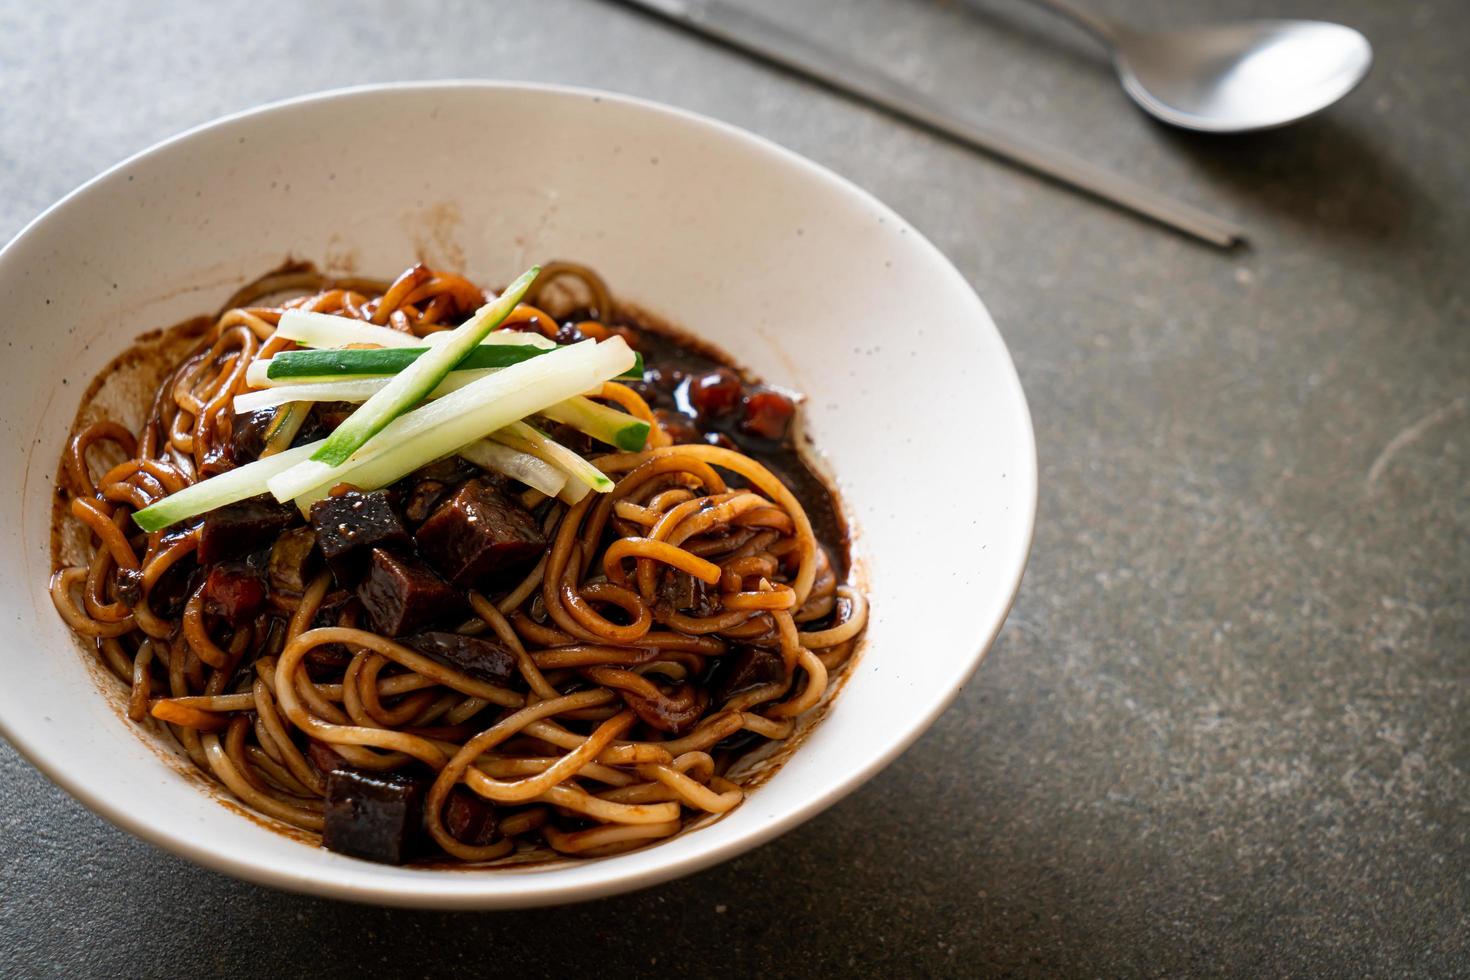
(1231, 78)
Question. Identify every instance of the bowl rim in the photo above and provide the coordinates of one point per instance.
(417, 894)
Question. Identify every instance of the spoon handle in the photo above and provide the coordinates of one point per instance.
(1096, 24)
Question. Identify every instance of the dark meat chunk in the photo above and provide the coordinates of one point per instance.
(744, 669)
(237, 529)
(334, 604)
(402, 595)
(479, 533)
(234, 592)
(329, 415)
(470, 818)
(481, 658)
(292, 560)
(128, 584)
(422, 499)
(322, 420)
(374, 815)
(450, 469)
(350, 525)
(247, 435)
(684, 592)
(716, 392)
(767, 415)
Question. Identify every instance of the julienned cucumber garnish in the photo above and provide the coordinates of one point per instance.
(422, 375)
(441, 427)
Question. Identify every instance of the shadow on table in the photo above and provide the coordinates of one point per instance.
(1321, 173)
(830, 899)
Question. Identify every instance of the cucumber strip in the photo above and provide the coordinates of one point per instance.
(323, 330)
(359, 390)
(237, 484)
(330, 330)
(506, 338)
(322, 365)
(420, 377)
(350, 390)
(574, 491)
(519, 435)
(601, 422)
(284, 427)
(441, 427)
(517, 465)
(257, 375)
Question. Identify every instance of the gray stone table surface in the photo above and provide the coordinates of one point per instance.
(1224, 731)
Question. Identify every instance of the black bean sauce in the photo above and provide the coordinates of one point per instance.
(700, 396)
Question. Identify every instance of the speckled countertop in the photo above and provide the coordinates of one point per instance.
(1225, 730)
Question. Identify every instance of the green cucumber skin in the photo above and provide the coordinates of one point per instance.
(386, 360)
(632, 438)
(152, 520)
(391, 360)
(628, 432)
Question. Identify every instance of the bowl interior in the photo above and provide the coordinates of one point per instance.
(912, 399)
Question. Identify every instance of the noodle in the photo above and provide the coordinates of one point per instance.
(667, 627)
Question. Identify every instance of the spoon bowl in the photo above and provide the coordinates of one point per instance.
(1232, 78)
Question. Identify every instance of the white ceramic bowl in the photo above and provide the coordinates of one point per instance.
(802, 276)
